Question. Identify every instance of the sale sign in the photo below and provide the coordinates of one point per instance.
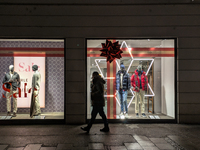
(23, 66)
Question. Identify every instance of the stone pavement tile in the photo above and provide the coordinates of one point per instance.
(98, 146)
(2, 147)
(150, 148)
(133, 146)
(140, 138)
(48, 148)
(118, 148)
(13, 148)
(64, 146)
(80, 148)
(190, 146)
(146, 143)
(165, 146)
(176, 138)
(33, 147)
(183, 142)
(158, 140)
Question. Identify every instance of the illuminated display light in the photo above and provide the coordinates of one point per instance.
(117, 64)
(122, 117)
(110, 78)
(129, 49)
(98, 65)
(117, 101)
(130, 65)
(108, 95)
(131, 98)
(153, 94)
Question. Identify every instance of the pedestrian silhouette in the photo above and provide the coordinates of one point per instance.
(98, 102)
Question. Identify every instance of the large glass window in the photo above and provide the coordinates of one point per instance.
(141, 84)
(32, 79)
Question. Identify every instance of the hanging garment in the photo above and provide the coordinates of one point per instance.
(125, 80)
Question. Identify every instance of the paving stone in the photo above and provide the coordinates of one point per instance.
(150, 148)
(2, 147)
(183, 142)
(33, 147)
(80, 148)
(174, 144)
(140, 138)
(190, 146)
(158, 140)
(48, 148)
(165, 146)
(18, 148)
(176, 138)
(64, 146)
(98, 146)
(133, 146)
(118, 148)
(146, 143)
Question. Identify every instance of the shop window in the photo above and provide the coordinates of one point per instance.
(32, 79)
(141, 84)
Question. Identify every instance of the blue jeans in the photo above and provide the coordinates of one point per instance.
(123, 100)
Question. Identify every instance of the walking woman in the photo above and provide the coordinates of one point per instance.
(98, 102)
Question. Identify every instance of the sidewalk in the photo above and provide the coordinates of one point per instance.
(120, 137)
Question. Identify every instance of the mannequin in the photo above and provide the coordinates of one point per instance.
(35, 104)
(122, 85)
(12, 82)
(139, 82)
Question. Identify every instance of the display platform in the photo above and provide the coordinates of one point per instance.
(46, 115)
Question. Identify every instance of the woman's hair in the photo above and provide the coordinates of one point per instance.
(95, 73)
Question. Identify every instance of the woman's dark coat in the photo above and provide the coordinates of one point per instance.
(97, 94)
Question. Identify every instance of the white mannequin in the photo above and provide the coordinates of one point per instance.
(12, 81)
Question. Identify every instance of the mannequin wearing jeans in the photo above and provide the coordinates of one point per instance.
(12, 82)
(139, 82)
(122, 86)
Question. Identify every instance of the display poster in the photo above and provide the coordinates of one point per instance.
(23, 66)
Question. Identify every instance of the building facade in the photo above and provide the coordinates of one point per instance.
(74, 23)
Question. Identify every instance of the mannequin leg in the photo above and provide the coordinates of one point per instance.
(120, 92)
(125, 101)
(8, 100)
(136, 102)
(37, 105)
(14, 102)
(142, 101)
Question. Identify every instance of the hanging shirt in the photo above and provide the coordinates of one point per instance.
(121, 81)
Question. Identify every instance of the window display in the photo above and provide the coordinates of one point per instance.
(30, 87)
(140, 84)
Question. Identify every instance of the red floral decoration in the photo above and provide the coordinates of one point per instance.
(111, 50)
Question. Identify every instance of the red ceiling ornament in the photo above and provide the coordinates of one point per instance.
(111, 50)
